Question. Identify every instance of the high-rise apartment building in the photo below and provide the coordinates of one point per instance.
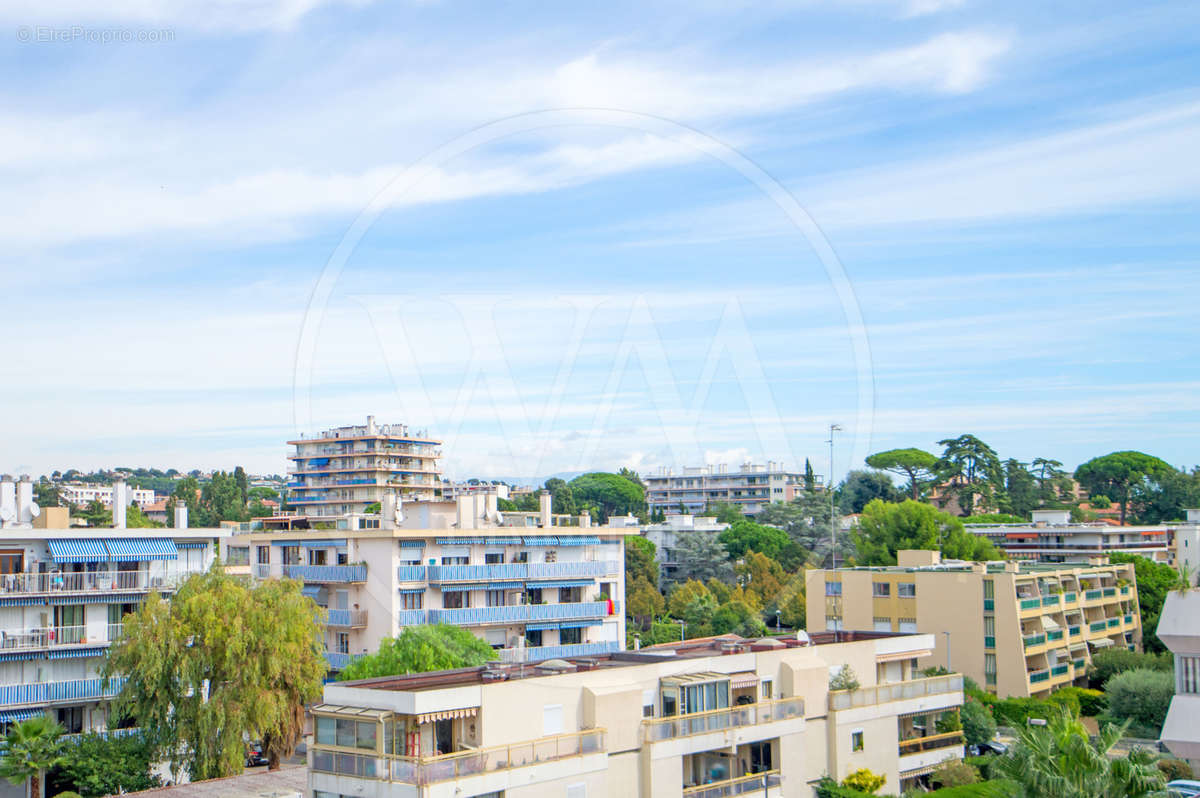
(347, 469)
(1018, 629)
(713, 717)
(1051, 537)
(750, 486)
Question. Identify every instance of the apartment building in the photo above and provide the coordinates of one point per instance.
(750, 486)
(81, 494)
(712, 717)
(1018, 629)
(346, 469)
(534, 591)
(1179, 630)
(1185, 544)
(1051, 537)
(665, 537)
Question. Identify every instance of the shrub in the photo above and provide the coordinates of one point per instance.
(977, 722)
(983, 789)
(1091, 702)
(1111, 661)
(864, 780)
(948, 722)
(1016, 712)
(1141, 697)
(983, 764)
(1067, 700)
(828, 788)
(67, 795)
(845, 679)
(954, 773)
(1175, 769)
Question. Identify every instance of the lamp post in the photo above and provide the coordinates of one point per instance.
(777, 612)
(682, 630)
(948, 665)
(829, 487)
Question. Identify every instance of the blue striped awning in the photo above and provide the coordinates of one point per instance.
(14, 656)
(102, 598)
(285, 543)
(505, 585)
(411, 591)
(564, 583)
(311, 591)
(580, 624)
(412, 544)
(322, 544)
(578, 540)
(18, 715)
(538, 627)
(75, 653)
(190, 544)
(502, 540)
(141, 549)
(21, 601)
(78, 550)
(541, 540)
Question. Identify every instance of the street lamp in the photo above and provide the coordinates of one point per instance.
(829, 487)
(777, 612)
(682, 629)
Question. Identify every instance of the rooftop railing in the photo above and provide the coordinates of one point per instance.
(658, 729)
(897, 691)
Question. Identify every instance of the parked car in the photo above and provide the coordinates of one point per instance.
(255, 755)
(983, 749)
(1183, 788)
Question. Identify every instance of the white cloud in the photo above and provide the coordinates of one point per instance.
(208, 15)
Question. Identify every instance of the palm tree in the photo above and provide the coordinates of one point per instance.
(32, 747)
(1060, 761)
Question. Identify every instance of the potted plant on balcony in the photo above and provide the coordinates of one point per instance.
(1085, 584)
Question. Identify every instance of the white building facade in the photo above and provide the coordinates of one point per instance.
(750, 486)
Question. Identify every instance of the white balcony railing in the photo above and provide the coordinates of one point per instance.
(88, 582)
(896, 691)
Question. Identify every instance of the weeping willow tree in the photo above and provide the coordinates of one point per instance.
(223, 659)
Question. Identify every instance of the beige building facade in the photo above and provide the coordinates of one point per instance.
(1018, 629)
(714, 717)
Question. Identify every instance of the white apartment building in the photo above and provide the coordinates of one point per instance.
(1179, 630)
(665, 537)
(346, 469)
(712, 717)
(534, 591)
(81, 494)
(750, 486)
(1051, 537)
(1185, 545)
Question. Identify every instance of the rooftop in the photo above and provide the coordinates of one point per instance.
(283, 783)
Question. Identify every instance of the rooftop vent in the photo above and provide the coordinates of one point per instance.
(493, 676)
(558, 665)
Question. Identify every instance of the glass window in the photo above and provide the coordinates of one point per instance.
(833, 588)
(325, 731)
(908, 589)
(569, 637)
(264, 555)
(495, 598)
(345, 733)
(722, 695)
(856, 741)
(989, 589)
(908, 625)
(989, 626)
(767, 687)
(412, 601)
(883, 625)
(494, 557)
(881, 589)
(1190, 673)
(670, 701)
(366, 736)
(456, 599)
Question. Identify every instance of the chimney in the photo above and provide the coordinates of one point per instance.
(120, 498)
(181, 521)
(8, 500)
(371, 425)
(27, 509)
(475, 514)
(461, 511)
(585, 520)
(545, 502)
(387, 511)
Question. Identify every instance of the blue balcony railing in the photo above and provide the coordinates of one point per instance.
(519, 613)
(410, 617)
(438, 574)
(52, 692)
(327, 573)
(347, 618)
(537, 653)
(411, 573)
(338, 660)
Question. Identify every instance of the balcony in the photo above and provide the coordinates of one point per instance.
(1069, 598)
(410, 617)
(658, 729)
(1054, 634)
(1129, 620)
(1074, 631)
(897, 691)
(933, 742)
(351, 619)
(71, 691)
(521, 613)
(1042, 675)
(51, 637)
(458, 765)
(89, 582)
(755, 783)
(1034, 603)
(338, 660)
(1050, 601)
(438, 574)
(1093, 595)
(336, 574)
(1098, 626)
(538, 653)
(1061, 670)
(1031, 641)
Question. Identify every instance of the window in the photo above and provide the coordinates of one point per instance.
(989, 589)
(551, 555)
(316, 556)
(290, 555)
(521, 557)
(883, 624)
(570, 595)
(908, 625)
(456, 561)
(494, 558)
(832, 623)
(264, 555)
(833, 588)
(495, 598)
(342, 642)
(342, 558)
(881, 589)
(989, 626)
(71, 719)
(856, 740)
(989, 668)
(412, 601)
(237, 555)
(1189, 673)
(534, 595)
(456, 599)
(533, 637)
(568, 637)
(907, 589)
(346, 733)
(552, 719)
(766, 688)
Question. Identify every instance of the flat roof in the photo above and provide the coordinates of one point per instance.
(288, 780)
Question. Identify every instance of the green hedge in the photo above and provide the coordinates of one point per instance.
(983, 789)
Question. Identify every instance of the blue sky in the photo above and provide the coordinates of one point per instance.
(998, 230)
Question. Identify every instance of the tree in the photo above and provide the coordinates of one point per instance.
(745, 536)
(699, 555)
(1021, 495)
(1167, 498)
(1109, 662)
(725, 512)
(96, 766)
(640, 562)
(611, 494)
(95, 513)
(810, 478)
(242, 483)
(684, 594)
(222, 497)
(632, 476)
(643, 602)
(31, 748)
(187, 490)
(973, 468)
(221, 660)
(1048, 474)
(860, 487)
(954, 773)
(737, 618)
(885, 529)
(562, 498)
(1154, 581)
(919, 466)
(46, 494)
(762, 575)
(1059, 759)
(791, 603)
(807, 522)
(978, 724)
(433, 647)
(1116, 474)
(1141, 697)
